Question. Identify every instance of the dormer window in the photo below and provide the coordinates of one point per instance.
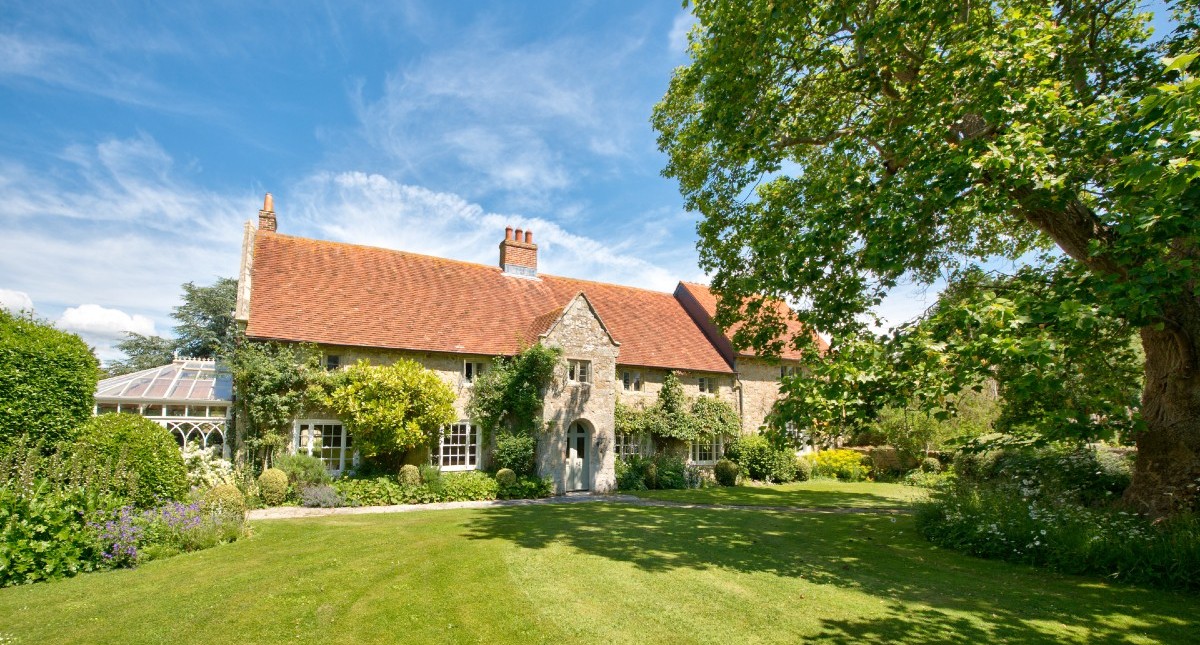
(473, 370)
(579, 371)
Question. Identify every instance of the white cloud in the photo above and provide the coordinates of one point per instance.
(677, 39)
(15, 301)
(102, 322)
(372, 209)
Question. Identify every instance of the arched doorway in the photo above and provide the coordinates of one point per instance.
(578, 457)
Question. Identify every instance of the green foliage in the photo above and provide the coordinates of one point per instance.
(302, 470)
(46, 506)
(725, 472)
(1078, 474)
(468, 486)
(505, 477)
(47, 381)
(517, 453)
(846, 465)
(410, 475)
(673, 416)
(430, 474)
(147, 449)
(660, 471)
(273, 486)
(275, 384)
(931, 465)
(1002, 523)
(527, 488)
(142, 353)
(508, 397)
(205, 330)
(761, 461)
(205, 467)
(391, 409)
(448, 487)
(804, 468)
(225, 500)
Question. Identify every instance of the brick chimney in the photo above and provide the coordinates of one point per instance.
(518, 253)
(266, 216)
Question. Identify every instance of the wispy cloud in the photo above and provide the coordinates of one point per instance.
(15, 301)
(677, 38)
(372, 209)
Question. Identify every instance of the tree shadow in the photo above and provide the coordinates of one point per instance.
(773, 496)
(926, 591)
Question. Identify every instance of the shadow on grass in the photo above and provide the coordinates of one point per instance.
(928, 595)
(776, 496)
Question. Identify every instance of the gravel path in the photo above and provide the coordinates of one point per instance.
(292, 512)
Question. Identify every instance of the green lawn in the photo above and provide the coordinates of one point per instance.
(809, 494)
(593, 573)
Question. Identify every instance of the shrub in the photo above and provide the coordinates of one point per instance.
(1085, 475)
(528, 488)
(225, 500)
(841, 464)
(322, 496)
(631, 472)
(761, 461)
(47, 381)
(726, 472)
(931, 465)
(804, 468)
(505, 477)
(273, 486)
(430, 474)
(302, 470)
(517, 453)
(205, 468)
(180, 528)
(1000, 522)
(410, 475)
(148, 450)
(468, 486)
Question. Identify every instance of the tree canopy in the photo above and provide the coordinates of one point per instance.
(205, 330)
(836, 148)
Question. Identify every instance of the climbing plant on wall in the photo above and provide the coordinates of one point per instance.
(508, 397)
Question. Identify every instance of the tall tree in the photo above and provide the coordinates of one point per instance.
(835, 148)
(205, 330)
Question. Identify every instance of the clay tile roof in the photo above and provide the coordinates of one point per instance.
(343, 294)
(703, 306)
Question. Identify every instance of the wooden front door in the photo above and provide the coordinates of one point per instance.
(577, 458)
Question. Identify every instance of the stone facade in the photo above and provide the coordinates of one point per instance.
(759, 380)
(581, 336)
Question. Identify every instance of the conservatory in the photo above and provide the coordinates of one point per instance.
(190, 397)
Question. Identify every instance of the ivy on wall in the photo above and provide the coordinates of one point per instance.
(674, 416)
(507, 399)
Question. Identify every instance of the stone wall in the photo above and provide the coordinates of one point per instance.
(652, 381)
(579, 334)
(759, 379)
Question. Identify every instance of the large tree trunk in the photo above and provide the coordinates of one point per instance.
(1166, 477)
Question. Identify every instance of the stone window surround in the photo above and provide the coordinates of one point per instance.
(631, 380)
(579, 371)
(472, 369)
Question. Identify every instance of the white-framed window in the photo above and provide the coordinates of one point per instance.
(786, 371)
(706, 452)
(457, 447)
(631, 381)
(326, 439)
(472, 370)
(629, 444)
(708, 384)
(579, 371)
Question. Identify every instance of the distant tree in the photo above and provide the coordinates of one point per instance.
(205, 330)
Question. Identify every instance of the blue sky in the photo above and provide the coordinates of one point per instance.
(136, 138)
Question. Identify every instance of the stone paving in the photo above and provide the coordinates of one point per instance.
(292, 512)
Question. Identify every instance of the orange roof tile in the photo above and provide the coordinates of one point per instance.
(344, 294)
(707, 308)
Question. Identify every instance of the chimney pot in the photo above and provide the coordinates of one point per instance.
(266, 216)
(520, 233)
(508, 233)
(269, 203)
(518, 255)
(529, 237)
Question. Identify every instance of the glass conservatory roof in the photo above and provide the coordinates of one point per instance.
(185, 379)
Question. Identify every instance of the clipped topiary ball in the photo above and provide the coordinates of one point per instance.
(804, 468)
(726, 472)
(273, 486)
(651, 478)
(506, 477)
(931, 465)
(410, 475)
(225, 499)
